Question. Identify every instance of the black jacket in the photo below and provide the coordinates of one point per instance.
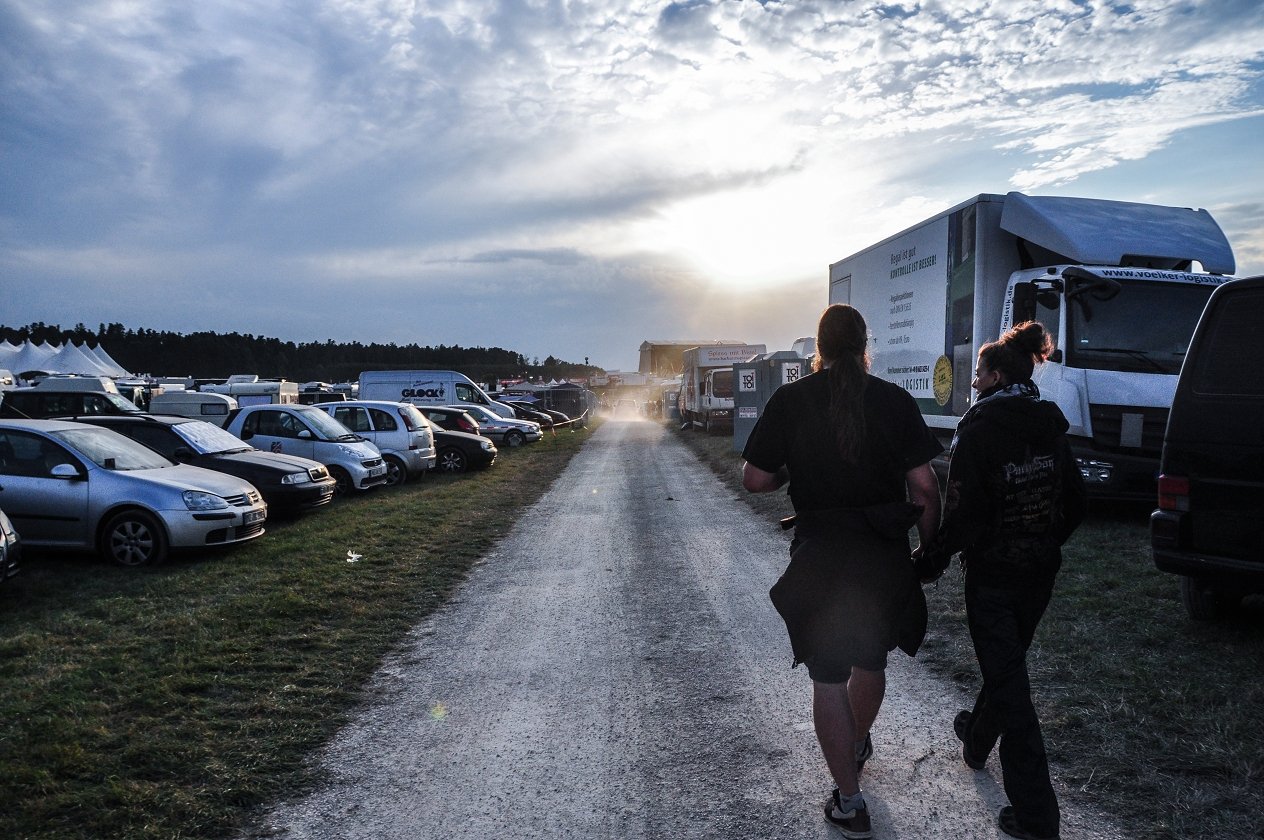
(1015, 493)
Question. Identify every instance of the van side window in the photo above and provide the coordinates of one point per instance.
(1226, 364)
(466, 394)
(383, 421)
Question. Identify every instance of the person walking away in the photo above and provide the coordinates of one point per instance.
(1014, 496)
(856, 454)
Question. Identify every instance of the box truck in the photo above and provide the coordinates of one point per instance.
(706, 392)
(1119, 285)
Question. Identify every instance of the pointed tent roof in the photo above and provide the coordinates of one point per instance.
(113, 367)
(72, 359)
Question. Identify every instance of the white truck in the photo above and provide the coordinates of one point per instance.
(706, 389)
(1119, 285)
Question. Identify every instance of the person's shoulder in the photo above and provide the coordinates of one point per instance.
(889, 391)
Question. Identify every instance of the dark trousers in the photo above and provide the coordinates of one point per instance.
(1002, 623)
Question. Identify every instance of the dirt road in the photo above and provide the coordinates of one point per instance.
(615, 670)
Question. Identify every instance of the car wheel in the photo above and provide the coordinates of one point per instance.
(513, 437)
(133, 538)
(396, 472)
(343, 486)
(1203, 601)
(452, 461)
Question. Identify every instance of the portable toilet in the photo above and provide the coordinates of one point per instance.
(754, 382)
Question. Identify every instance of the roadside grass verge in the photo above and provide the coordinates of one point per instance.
(1152, 717)
(174, 701)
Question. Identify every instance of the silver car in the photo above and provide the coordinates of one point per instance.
(397, 429)
(501, 429)
(71, 485)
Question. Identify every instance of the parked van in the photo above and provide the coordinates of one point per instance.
(427, 387)
(308, 432)
(66, 396)
(213, 408)
(1209, 526)
(249, 389)
(397, 429)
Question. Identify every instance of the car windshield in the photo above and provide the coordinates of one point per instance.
(110, 449)
(123, 404)
(323, 425)
(209, 439)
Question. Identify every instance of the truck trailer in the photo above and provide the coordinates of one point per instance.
(1119, 285)
(706, 391)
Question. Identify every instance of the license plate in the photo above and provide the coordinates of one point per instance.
(376, 471)
(253, 516)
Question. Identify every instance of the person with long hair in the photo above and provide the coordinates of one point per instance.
(1014, 496)
(856, 454)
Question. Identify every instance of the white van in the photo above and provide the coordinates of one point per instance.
(212, 408)
(427, 387)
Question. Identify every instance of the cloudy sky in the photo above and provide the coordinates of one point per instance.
(574, 178)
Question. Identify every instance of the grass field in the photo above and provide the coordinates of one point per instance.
(171, 702)
(1153, 717)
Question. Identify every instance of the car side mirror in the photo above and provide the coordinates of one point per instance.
(305, 435)
(182, 453)
(67, 472)
(246, 434)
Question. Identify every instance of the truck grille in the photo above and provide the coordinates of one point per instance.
(1128, 429)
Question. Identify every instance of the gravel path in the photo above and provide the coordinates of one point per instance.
(614, 669)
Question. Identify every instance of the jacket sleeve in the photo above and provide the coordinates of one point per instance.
(1074, 496)
(966, 505)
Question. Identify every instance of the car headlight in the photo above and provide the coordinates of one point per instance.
(199, 500)
(487, 445)
(296, 478)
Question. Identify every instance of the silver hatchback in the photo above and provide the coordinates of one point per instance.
(70, 485)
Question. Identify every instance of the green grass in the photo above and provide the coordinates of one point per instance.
(1148, 715)
(172, 702)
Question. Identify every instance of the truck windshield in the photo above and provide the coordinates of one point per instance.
(1145, 328)
(722, 384)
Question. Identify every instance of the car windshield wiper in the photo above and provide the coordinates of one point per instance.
(1133, 352)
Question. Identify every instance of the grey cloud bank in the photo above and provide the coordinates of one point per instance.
(572, 179)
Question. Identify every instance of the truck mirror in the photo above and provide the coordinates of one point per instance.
(1024, 302)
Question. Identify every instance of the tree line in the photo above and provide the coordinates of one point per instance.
(210, 355)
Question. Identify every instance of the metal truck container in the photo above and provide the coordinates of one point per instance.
(1120, 287)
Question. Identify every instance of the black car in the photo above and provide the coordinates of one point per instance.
(43, 402)
(452, 419)
(546, 419)
(288, 483)
(1209, 526)
(460, 451)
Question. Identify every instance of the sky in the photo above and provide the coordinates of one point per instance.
(575, 178)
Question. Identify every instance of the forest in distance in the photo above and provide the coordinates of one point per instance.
(211, 355)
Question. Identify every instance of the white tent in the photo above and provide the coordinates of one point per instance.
(53, 358)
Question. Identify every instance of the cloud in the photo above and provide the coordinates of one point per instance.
(631, 149)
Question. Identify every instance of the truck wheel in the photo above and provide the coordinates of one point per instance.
(133, 538)
(1203, 601)
(343, 485)
(396, 472)
(452, 460)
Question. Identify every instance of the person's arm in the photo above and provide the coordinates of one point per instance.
(756, 480)
(923, 489)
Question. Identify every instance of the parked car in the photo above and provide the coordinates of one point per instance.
(72, 485)
(454, 419)
(308, 432)
(525, 411)
(1209, 525)
(10, 548)
(398, 430)
(289, 483)
(59, 397)
(503, 431)
(461, 451)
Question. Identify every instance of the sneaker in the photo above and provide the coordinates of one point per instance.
(853, 824)
(961, 725)
(864, 754)
(1008, 823)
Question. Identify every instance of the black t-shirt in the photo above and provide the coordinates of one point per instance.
(794, 431)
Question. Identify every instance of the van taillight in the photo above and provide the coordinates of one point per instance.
(1173, 493)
